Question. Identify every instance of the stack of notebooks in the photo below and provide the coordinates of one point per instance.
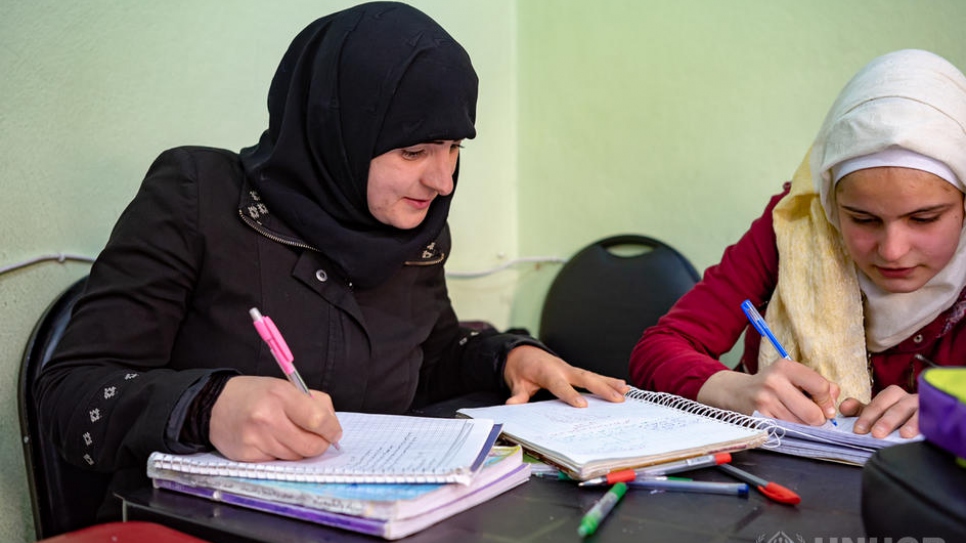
(397, 475)
(393, 477)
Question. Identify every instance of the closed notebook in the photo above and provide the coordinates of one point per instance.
(390, 511)
(375, 449)
(647, 428)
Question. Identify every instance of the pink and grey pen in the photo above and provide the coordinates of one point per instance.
(276, 344)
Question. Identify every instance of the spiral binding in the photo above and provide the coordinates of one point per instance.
(666, 399)
(187, 464)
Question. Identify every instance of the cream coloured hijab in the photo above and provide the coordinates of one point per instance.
(829, 314)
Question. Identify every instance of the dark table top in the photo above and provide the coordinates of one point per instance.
(546, 510)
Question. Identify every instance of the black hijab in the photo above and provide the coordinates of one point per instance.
(353, 85)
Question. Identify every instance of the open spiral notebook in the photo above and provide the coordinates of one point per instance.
(647, 428)
(655, 427)
(375, 449)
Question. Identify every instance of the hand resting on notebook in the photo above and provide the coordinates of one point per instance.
(528, 369)
(890, 409)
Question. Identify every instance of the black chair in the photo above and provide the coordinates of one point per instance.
(604, 298)
(56, 509)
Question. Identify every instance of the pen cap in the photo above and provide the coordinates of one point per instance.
(619, 489)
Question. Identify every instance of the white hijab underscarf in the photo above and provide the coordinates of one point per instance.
(908, 109)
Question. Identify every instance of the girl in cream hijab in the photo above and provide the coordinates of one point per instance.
(864, 280)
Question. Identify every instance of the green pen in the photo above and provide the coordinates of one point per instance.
(597, 513)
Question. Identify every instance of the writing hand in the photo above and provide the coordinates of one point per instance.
(890, 409)
(256, 419)
(529, 369)
(784, 390)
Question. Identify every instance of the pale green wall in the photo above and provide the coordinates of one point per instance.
(675, 119)
(678, 119)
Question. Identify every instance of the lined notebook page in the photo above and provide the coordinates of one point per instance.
(375, 448)
(832, 442)
(842, 434)
(613, 430)
(607, 435)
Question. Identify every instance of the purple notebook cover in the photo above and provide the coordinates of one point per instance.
(381, 528)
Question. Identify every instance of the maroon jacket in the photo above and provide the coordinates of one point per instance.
(681, 351)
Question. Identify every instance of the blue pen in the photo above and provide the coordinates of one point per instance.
(762, 327)
(707, 487)
(759, 323)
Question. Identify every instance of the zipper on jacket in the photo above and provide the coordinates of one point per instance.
(265, 232)
(268, 234)
(442, 256)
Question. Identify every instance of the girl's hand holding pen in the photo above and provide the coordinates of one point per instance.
(787, 390)
(891, 409)
(257, 419)
(784, 390)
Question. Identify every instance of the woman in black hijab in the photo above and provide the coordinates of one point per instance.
(334, 224)
(351, 87)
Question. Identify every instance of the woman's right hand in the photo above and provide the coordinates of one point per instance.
(256, 419)
(785, 390)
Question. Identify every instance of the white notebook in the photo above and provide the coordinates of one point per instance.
(833, 442)
(375, 449)
(647, 428)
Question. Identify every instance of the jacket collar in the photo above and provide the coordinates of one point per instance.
(255, 213)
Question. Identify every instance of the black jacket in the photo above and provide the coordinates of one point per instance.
(167, 302)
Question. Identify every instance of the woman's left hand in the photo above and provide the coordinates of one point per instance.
(890, 409)
(529, 369)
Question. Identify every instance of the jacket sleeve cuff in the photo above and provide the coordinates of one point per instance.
(494, 349)
(187, 427)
